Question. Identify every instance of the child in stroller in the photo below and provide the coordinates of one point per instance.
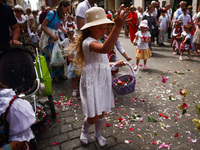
(17, 116)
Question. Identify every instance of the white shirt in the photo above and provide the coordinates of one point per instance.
(81, 10)
(169, 12)
(185, 19)
(155, 13)
(140, 43)
(117, 44)
(186, 35)
(163, 21)
(34, 37)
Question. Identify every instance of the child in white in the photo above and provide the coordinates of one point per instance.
(95, 83)
(34, 36)
(67, 41)
(185, 18)
(20, 118)
(142, 51)
(163, 22)
(176, 36)
(186, 44)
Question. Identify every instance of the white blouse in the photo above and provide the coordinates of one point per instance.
(20, 116)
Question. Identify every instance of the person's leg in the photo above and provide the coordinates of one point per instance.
(86, 124)
(145, 66)
(181, 55)
(137, 65)
(75, 82)
(189, 53)
(98, 125)
(197, 46)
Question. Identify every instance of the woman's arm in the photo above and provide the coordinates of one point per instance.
(44, 28)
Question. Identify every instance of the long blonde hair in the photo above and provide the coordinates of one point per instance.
(77, 46)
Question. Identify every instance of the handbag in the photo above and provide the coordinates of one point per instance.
(57, 58)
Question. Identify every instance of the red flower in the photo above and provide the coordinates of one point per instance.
(144, 38)
(131, 129)
(160, 114)
(185, 105)
(109, 16)
(120, 119)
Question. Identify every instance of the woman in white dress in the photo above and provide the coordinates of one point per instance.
(95, 83)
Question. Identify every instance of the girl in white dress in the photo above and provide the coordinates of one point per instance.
(96, 81)
(19, 116)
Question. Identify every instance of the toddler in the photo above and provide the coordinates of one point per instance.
(142, 51)
(186, 44)
(176, 37)
(34, 36)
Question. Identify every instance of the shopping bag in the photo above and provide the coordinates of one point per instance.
(45, 78)
(57, 58)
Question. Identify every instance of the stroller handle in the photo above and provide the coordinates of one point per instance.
(29, 44)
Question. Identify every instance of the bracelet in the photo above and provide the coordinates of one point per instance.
(7, 147)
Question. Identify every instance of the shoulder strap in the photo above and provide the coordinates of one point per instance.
(54, 14)
(7, 109)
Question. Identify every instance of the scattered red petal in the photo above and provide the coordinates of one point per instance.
(126, 113)
(106, 113)
(55, 143)
(58, 121)
(160, 114)
(107, 125)
(143, 100)
(129, 141)
(185, 105)
(166, 116)
(120, 119)
(157, 97)
(138, 82)
(176, 135)
(154, 142)
(131, 129)
(135, 98)
(61, 94)
(117, 108)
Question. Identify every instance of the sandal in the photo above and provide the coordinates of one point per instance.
(63, 77)
(56, 80)
(196, 53)
(101, 140)
(84, 137)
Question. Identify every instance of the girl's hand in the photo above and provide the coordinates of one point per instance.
(128, 58)
(120, 19)
(120, 64)
(55, 38)
(134, 42)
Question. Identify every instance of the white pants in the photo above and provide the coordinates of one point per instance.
(161, 35)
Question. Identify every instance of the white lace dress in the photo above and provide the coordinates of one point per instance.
(96, 82)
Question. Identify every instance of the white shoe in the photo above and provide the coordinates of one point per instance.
(180, 58)
(135, 68)
(74, 93)
(101, 140)
(84, 137)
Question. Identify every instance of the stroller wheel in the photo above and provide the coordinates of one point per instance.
(51, 104)
(33, 144)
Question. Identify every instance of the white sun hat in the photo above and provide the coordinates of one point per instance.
(144, 23)
(95, 16)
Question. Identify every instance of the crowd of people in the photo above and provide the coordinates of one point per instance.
(87, 42)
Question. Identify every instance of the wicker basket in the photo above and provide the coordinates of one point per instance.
(125, 89)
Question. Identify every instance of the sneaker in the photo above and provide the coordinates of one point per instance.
(174, 53)
(180, 58)
(74, 93)
(135, 68)
(145, 67)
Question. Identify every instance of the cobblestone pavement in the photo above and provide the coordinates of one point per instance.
(132, 123)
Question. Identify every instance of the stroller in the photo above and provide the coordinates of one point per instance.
(21, 71)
